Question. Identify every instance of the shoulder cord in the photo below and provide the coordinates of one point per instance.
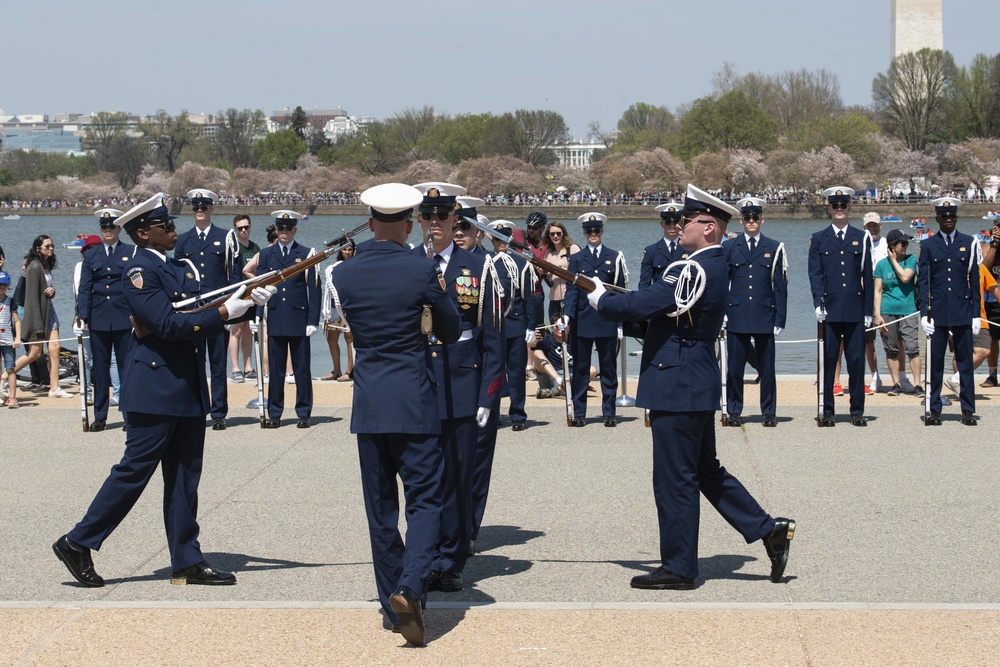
(231, 250)
(511, 267)
(490, 271)
(784, 263)
(620, 266)
(690, 285)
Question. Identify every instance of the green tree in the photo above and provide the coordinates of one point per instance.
(375, 150)
(644, 127)
(977, 98)
(912, 98)
(300, 123)
(731, 121)
(101, 131)
(169, 135)
(456, 139)
(526, 135)
(852, 132)
(239, 130)
(127, 156)
(794, 97)
(280, 150)
(410, 125)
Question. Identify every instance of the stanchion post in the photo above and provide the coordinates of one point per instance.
(624, 400)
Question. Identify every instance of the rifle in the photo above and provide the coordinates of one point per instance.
(927, 369)
(258, 356)
(723, 369)
(264, 280)
(81, 363)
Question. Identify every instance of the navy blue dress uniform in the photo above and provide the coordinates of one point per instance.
(102, 307)
(165, 405)
(758, 303)
(588, 330)
(382, 294)
(950, 299)
(658, 256)
(840, 276)
(680, 384)
(206, 250)
(292, 317)
(469, 373)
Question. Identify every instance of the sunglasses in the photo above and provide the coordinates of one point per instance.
(200, 208)
(168, 225)
(284, 226)
(589, 231)
(839, 205)
(671, 221)
(753, 217)
(464, 226)
(107, 225)
(688, 221)
(556, 233)
(243, 228)
(440, 215)
(949, 216)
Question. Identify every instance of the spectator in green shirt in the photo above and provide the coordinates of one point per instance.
(895, 279)
(240, 250)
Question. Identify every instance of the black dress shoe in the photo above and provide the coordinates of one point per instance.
(98, 425)
(828, 420)
(434, 580)
(662, 579)
(77, 560)
(777, 545)
(218, 424)
(202, 574)
(517, 426)
(858, 420)
(407, 606)
(610, 422)
(770, 421)
(734, 420)
(303, 423)
(450, 582)
(968, 419)
(272, 423)
(933, 419)
(579, 423)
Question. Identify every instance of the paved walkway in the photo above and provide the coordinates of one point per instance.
(894, 561)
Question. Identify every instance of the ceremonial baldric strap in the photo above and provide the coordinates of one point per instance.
(232, 251)
(489, 270)
(864, 250)
(784, 263)
(528, 273)
(311, 253)
(336, 302)
(197, 274)
(976, 256)
(620, 267)
(511, 267)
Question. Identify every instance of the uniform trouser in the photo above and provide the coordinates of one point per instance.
(278, 349)
(218, 360)
(416, 459)
(962, 339)
(458, 448)
(684, 463)
(739, 347)
(607, 357)
(101, 345)
(853, 335)
(486, 445)
(517, 361)
(176, 444)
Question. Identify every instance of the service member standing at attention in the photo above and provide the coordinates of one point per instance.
(292, 317)
(657, 257)
(840, 276)
(950, 303)
(204, 245)
(382, 294)
(469, 374)
(758, 299)
(588, 330)
(679, 384)
(101, 306)
(165, 398)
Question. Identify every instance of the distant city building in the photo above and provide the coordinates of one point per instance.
(577, 155)
(342, 127)
(316, 118)
(206, 123)
(42, 141)
(915, 25)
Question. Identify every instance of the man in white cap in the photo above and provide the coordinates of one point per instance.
(382, 294)
(840, 277)
(950, 300)
(658, 256)
(204, 245)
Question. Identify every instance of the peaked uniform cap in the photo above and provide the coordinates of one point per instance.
(592, 219)
(838, 193)
(285, 215)
(202, 196)
(391, 202)
(699, 201)
(111, 214)
(153, 209)
(750, 205)
(503, 225)
(946, 205)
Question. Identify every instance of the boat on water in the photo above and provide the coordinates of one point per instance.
(12, 216)
(892, 217)
(918, 223)
(990, 215)
(77, 242)
(921, 233)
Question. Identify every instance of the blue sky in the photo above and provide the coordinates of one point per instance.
(586, 59)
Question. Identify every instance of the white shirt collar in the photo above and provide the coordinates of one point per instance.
(836, 230)
(748, 237)
(158, 254)
(283, 246)
(597, 248)
(204, 231)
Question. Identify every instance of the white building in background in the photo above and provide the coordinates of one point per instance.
(345, 126)
(915, 25)
(577, 155)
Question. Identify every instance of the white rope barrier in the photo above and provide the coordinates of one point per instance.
(874, 328)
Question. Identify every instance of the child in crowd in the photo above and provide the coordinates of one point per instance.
(10, 339)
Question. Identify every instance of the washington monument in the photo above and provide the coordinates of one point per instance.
(915, 25)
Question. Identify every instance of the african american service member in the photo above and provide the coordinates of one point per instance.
(758, 305)
(843, 291)
(165, 398)
(383, 294)
(679, 383)
(950, 304)
(292, 318)
(469, 373)
(204, 245)
(589, 331)
(658, 256)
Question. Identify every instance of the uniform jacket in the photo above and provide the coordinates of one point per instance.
(167, 367)
(469, 372)
(655, 260)
(678, 371)
(297, 302)
(518, 318)
(840, 274)
(208, 256)
(100, 302)
(381, 294)
(950, 276)
(608, 267)
(758, 288)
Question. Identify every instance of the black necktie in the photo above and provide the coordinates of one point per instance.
(438, 258)
(947, 240)
(670, 247)
(201, 235)
(595, 252)
(753, 244)
(107, 248)
(284, 251)
(840, 235)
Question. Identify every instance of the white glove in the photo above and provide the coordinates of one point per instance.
(725, 321)
(529, 335)
(562, 323)
(821, 314)
(260, 295)
(594, 297)
(237, 306)
(77, 327)
(621, 333)
(482, 416)
(778, 330)
(310, 330)
(927, 325)
(868, 321)
(228, 327)
(253, 326)
(977, 326)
